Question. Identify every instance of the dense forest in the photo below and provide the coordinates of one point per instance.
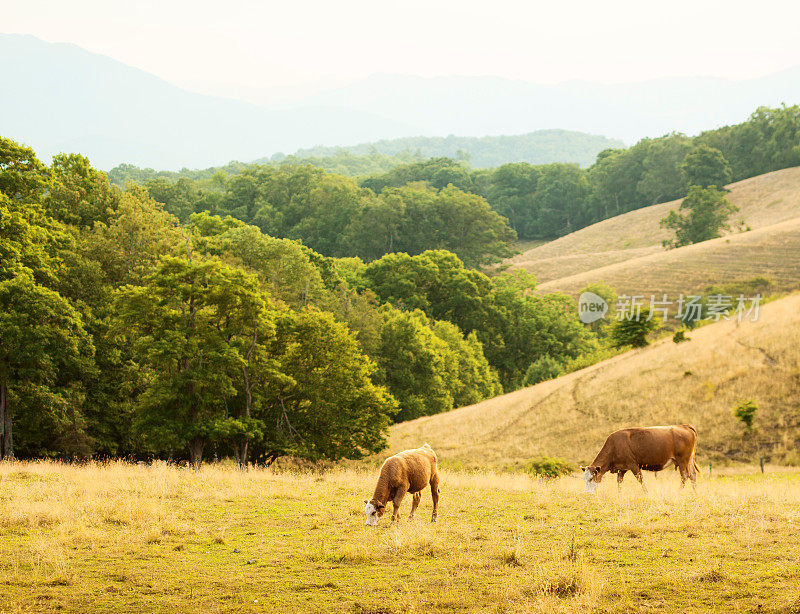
(270, 310)
(128, 330)
(537, 201)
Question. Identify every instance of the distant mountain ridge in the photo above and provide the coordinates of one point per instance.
(540, 147)
(628, 111)
(60, 97)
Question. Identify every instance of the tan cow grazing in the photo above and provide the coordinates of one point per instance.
(650, 448)
(408, 471)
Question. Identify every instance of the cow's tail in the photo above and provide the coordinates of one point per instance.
(694, 449)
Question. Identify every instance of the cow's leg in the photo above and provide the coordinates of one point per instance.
(414, 503)
(435, 496)
(638, 473)
(396, 501)
(689, 472)
(684, 474)
(620, 477)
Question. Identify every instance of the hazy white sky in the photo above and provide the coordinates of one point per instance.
(269, 51)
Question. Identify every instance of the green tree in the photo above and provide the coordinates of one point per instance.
(42, 344)
(183, 197)
(609, 295)
(22, 176)
(703, 215)
(613, 180)
(512, 194)
(706, 167)
(472, 378)
(542, 369)
(662, 178)
(561, 192)
(31, 242)
(633, 331)
(137, 234)
(283, 266)
(187, 324)
(413, 364)
(416, 218)
(745, 411)
(435, 281)
(523, 326)
(79, 194)
(327, 406)
(380, 227)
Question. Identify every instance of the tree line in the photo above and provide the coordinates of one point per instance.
(129, 331)
(513, 200)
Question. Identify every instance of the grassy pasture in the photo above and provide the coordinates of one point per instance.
(127, 538)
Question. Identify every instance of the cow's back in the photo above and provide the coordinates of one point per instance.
(414, 466)
(655, 446)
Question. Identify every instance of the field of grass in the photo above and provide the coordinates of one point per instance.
(128, 538)
(620, 249)
(699, 382)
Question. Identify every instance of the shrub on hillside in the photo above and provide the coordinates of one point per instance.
(680, 336)
(542, 369)
(549, 468)
(634, 331)
(746, 413)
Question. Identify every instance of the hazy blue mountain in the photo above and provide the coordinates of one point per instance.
(490, 105)
(539, 147)
(59, 97)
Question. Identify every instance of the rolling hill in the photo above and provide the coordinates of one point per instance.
(699, 382)
(626, 252)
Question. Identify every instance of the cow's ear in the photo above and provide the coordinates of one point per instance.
(380, 506)
(583, 468)
(595, 470)
(365, 501)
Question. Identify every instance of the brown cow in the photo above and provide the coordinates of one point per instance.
(650, 448)
(408, 471)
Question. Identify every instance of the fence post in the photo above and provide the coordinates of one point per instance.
(762, 464)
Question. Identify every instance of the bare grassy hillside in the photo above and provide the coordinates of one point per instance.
(772, 252)
(764, 201)
(698, 382)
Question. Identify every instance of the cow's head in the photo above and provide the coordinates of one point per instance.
(591, 476)
(374, 510)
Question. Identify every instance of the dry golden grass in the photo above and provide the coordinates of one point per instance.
(772, 252)
(765, 201)
(127, 538)
(698, 382)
